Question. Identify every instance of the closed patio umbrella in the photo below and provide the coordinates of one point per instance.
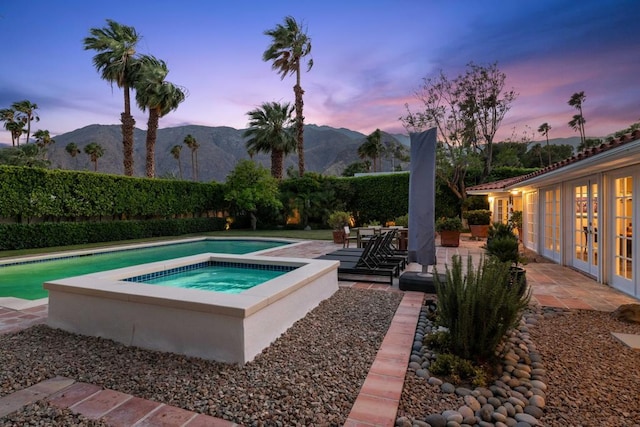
(422, 242)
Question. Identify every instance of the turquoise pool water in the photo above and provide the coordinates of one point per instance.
(25, 280)
(225, 277)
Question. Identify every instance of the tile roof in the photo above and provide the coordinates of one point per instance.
(584, 154)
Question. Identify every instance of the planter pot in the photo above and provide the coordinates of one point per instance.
(338, 236)
(519, 279)
(450, 238)
(479, 231)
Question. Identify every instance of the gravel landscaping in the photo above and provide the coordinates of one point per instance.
(313, 373)
(310, 376)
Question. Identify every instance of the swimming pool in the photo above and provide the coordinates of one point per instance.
(215, 276)
(23, 278)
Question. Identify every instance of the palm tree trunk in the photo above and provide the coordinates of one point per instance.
(193, 164)
(196, 164)
(152, 132)
(128, 123)
(297, 90)
(277, 157)
(179, 167)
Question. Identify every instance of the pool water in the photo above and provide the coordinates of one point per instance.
(25, 280)
(217, 278)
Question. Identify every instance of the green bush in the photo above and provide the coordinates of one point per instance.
(439, 341)
(402, 220)
(49, 234)
(478, 217)
(457, 370)
(449, 224)
(478, 307)
(503, 243)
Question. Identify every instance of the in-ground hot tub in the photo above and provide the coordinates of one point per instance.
(230, 328)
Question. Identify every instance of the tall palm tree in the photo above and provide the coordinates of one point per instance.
(159, 96)
(26, 111)
(578, 121)
(95, 151)
(116, 47)
(73, 150)
(13, 125)
(43, 140)
(270, 131)
(577, 124)
(289, 45)
(193, 145)
(544, 131)
(372, 148)
(175, 152)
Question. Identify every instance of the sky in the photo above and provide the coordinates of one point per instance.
(370, 58)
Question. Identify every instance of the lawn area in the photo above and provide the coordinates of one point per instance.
(283, 234)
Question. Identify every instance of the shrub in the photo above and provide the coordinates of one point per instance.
(478, 308)
(457, 370)
(449, 224)
(339, 219)
(478, 217)
(402, 221)
(439, 341)
(503, 243)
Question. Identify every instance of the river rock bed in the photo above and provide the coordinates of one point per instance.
(311, 375)
(579, 376)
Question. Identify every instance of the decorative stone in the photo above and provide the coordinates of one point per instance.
(454, 416)
(627, 313)
(436, 420)
(537, 401)
(435, 381)
(472, 403)
(466, 411)
(526, 418)
(423, 373)
(533, 411)
(448, 388)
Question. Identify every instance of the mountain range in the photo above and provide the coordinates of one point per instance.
(327, 150)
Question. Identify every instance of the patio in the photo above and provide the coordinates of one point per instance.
(552, 285)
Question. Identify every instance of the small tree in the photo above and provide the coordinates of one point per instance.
(250, 187)
(95, 151)
(544, 131)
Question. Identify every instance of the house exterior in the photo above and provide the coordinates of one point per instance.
(581, 212)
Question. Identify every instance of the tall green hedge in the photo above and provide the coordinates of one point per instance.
(49, 234)
(27, 193)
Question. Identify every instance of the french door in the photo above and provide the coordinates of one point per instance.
(622, 236)
(584, 224)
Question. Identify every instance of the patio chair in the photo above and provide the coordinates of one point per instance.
(371, 256)
(365, 235)
(347, 237)
(363, 264)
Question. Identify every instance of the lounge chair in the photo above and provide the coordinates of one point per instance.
(364, 264)
(384, 252)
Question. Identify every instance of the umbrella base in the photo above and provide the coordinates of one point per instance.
(419, 282)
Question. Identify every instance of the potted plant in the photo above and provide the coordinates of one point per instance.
(337, 221)
(516, 221)
(504, 245)
(449, 230)
(479, 221)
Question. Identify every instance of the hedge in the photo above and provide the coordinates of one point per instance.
(49, 234)
(28, 193)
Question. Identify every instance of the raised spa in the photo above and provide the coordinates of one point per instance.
(226, 327)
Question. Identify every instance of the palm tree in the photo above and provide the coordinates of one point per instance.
(372, 148)
(544, 131)
(577, 124)
(116, 47)
(159, 96)
(289, 45)
(193, 145)
(578, 121)
(26, 112)
(13, 125)
(43, 139)
(73, 150)
(270, 131)
(95, 151)
(175, 152)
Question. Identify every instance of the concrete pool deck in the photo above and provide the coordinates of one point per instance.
(553, 285)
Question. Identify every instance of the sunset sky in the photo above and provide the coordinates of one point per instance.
(370, 58)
